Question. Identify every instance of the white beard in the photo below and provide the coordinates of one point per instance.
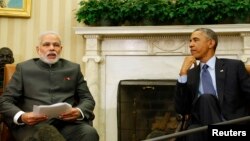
(44, 58)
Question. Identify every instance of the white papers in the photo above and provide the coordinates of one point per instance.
(52, 111)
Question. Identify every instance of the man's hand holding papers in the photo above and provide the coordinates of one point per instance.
(52, 111)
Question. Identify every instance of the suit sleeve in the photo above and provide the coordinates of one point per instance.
(244, 79)
(183, 100)
(11, 96)
(85, 100)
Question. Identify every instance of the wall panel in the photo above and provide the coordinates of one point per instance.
(21, 34)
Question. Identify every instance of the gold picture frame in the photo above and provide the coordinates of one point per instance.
(21, 10)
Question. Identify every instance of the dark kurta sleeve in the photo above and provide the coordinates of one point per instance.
(85, 100)
(11, 97)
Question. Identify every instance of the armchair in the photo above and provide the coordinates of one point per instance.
(9, 69)
(183, 119)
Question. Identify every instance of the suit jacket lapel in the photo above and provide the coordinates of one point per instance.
(196, 80)
(220, 74)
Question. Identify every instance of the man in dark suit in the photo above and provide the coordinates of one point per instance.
(230, 84)
(44, 81)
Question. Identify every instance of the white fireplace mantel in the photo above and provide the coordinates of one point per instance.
(144, 52)
(147, 30)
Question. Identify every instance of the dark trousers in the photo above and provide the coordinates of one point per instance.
(76, 131)
(206, 111)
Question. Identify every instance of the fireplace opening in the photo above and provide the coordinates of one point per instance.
(145, 109)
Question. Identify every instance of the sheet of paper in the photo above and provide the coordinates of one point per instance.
(52, 111)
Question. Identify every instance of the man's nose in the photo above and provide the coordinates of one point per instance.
(191, 44)
(51, 47)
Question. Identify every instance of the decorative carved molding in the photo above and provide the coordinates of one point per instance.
(93, 36)
(97, 59)
(245, 59)
(169, 45)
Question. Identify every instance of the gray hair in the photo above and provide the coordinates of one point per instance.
(210, 34)
(47, 33)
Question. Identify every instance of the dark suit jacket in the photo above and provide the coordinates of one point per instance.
(37, 83)
(233, 88)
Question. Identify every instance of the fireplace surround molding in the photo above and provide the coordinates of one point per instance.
(144, 52)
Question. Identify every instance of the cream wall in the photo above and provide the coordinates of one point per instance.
(20, 34)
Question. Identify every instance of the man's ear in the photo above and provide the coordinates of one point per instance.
(212, 43)
(37, 49)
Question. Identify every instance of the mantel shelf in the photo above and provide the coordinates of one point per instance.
(144, 30)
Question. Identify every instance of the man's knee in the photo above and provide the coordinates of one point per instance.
(83, 133)
(91, 131)
(49, 132)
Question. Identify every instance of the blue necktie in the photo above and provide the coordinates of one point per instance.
(206, 79)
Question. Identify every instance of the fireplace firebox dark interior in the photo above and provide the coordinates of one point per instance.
(145, 109)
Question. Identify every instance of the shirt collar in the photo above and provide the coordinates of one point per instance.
(210, 63)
